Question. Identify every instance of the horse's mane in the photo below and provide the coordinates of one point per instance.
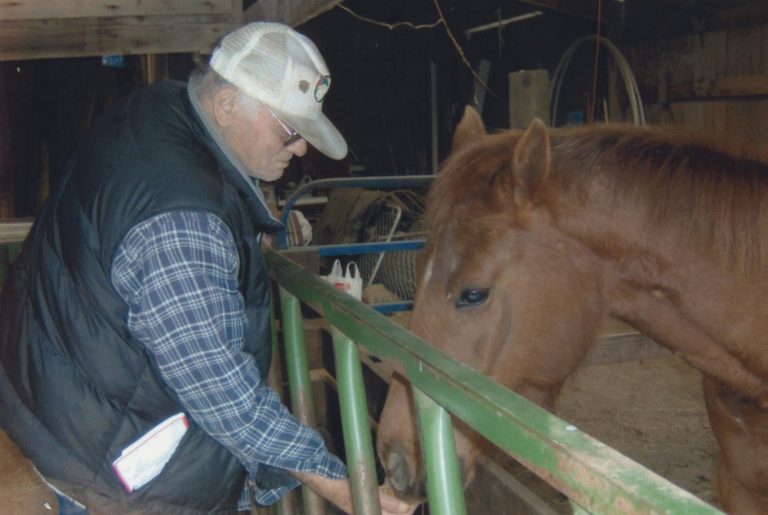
(710, 197)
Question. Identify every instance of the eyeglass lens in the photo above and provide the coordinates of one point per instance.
(293, 135)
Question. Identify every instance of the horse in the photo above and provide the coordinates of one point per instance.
(536, 236)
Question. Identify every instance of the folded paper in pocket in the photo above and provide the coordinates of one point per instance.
(143, 460)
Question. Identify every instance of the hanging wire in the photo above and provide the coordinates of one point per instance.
(593, 100)
(439, 21)
(461, 52)
(391, 26)
(499, 34)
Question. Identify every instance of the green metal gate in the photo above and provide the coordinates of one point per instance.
(595, 478)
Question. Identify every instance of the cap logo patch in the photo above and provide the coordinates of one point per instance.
(321, 87)
(303, 86)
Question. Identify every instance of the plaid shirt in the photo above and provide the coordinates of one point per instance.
(178, 274)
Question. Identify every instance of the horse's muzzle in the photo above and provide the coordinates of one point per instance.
(407, 482)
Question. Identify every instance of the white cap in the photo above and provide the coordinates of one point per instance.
(283, 69)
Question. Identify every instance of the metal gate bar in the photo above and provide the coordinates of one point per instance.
(357, 432)
(596, 477)
(274, 380)
(299, 382)
(444, 488)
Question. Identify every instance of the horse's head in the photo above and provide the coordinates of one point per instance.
(501, 289)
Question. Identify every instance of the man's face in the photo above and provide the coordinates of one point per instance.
(258, 138)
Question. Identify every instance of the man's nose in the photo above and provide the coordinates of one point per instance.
(298, 148)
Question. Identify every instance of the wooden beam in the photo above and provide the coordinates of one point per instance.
(79, 37)
(749, 14)
(14, 231)
(581, 8)
(745, 86)
(662, 19)
(47, 9)
(290, 12)
(720, 88)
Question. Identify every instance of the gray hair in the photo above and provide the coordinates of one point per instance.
(206, 82)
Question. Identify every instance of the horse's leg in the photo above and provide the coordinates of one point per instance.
(740, 426)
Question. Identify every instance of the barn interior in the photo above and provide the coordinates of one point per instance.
(403, 71)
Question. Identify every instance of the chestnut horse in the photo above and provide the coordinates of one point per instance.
(536, 237)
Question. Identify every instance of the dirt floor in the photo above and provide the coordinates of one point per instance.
(650, 410)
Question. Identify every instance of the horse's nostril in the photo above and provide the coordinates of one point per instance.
(397, 472)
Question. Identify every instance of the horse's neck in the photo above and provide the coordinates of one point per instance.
(712, 317)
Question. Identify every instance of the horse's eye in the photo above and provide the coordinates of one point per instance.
(472, 297)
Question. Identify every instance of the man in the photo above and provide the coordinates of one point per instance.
(135, 324)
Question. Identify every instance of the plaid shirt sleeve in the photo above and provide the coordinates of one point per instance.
(178, 274)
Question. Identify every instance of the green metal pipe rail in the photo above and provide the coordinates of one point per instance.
(596, 478)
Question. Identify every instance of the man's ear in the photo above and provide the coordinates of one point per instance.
(224, 101)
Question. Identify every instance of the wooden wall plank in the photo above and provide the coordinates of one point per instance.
(739, 123)
(715, 82)
(664, 19)
(52, 9)
(728, 63)
(290, 12)
(78, 37)
(721, 87)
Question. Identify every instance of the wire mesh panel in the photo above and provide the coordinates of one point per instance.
(397, 272)
(384, 226)
(395, 218)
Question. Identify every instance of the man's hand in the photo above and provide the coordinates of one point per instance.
(338, 492)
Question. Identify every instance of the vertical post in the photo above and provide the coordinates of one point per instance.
(298, 380)
(528, 97)
(149, 67)
(154, 67)
(483, 71)
(433, 113)
(444, 488)
(357, 433)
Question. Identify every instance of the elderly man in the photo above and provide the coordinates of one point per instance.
(135, 325)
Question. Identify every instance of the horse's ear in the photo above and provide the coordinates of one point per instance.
(530, 162)
(469, 128)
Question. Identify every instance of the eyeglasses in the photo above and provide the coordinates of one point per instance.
(293, 135)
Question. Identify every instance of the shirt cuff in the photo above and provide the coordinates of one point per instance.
(268, 484)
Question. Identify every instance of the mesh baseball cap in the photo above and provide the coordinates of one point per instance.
(283, 69)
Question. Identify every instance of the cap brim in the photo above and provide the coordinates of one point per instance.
(320, 133)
